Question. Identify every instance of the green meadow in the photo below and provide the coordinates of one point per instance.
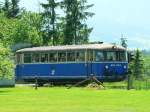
(61, 99)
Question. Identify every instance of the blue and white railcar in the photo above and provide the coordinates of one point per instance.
(72, 62)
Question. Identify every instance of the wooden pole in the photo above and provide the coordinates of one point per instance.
(36, 83)
(128, 83)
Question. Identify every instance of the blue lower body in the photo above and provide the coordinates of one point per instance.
(71, 71)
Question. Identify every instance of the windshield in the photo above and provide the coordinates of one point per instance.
(110, 56)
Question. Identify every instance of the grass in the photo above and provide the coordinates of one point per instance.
(60, 99)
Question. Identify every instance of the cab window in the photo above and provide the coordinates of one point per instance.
(121, 56)
(111, 56)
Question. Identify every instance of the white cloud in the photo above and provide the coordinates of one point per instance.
(141, 42)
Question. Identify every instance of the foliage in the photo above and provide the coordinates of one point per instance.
(136, 66)
(11, 9)
(146, 59)
(44, 29)
(7, 29)
(28, 29)
(6, 8)
(6, 64)
(76, 30)
(142, 84)
(23, 30)
(49, 21)
(14, 8)
(0, 7)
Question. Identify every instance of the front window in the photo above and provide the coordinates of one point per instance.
(111, 56)
(121, 56)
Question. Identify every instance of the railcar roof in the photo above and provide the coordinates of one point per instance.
(103, 46)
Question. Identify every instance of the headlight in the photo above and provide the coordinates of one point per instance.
(125, 67)
(106, 67)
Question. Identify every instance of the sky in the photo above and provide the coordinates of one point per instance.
(113, 19)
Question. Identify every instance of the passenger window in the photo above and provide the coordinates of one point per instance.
(35, 58)
(27, 58)
(111, 56)
(44, 58)
(62, 57)
(53, 57)
(80, 56)
(99, 56)
(70, 56)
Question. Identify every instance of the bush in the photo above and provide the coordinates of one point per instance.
(6, 64)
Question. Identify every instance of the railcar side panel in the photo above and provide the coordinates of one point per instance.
(71, 70)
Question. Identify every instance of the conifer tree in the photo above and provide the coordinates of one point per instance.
(137, 65)
(11, 9)
(0, 7)
(49, 21)
(6, 8)
(14, 8)
(76, 30)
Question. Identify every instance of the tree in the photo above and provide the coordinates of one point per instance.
(76, 30)
(136, 69)
(0, 7)
(6, 8)
(49, 21)
(136, 66)
(7, 29)
(14, 8)
(28, 29)
(23, 30)
(6, 64)
(11, 9)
